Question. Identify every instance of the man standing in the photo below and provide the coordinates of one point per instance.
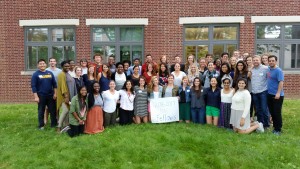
(44, 86)
(225, 57)
(111, 63)
(98, 63)
(177, 60)
(259, 90)
(149, 60)
(275, 93)
(136, 62)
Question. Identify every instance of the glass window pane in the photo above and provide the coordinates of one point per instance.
(105, 51)
(63, 34)
(202, 50)
(126, 34)
(231, 48)
(272, 49)
(292, 31)
(124, 53)
(268, 31)
(35, 53)
(290, 56)
(218, 50)
(69, 53)
(104, 34)
(190, 50)
(196, 33)
(37, 34)
(61, 53)
(137, 34)
(225, 32)
(137, 52)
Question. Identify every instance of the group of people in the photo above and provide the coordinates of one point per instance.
(227, 92)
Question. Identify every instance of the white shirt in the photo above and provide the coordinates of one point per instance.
(110, 101)
(226, 98)
(126, 101)
(120, 80)
(84, 70)
(241, 100)
(178, 79)
(72, 73)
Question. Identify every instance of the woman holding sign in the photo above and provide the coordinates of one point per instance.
(170, 90)
(154, 91)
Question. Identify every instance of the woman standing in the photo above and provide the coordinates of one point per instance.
(189, 62)
(110, 99)
(207, 75)
(170, 90)
(177, 74)
(212, 98)
(126, 103)
(149, 73)
(154, 91)
(264, 59)
(240, 72)
(94, 119)
(163, 74)
(193, 72)
(119, 76)
(226, 96)
(164, 60)
(240, 117)
(233, 61)
(135, 76)
(104, 78)
(184, 101)
(224, 73)
(84, 66)
(217, 64)
(141, 101)
(78, 78)
(197, 102)
(78, 111)
(89, 79)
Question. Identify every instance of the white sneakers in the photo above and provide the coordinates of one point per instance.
(260, 128)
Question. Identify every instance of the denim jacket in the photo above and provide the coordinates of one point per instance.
(187, 93)
(160, 90)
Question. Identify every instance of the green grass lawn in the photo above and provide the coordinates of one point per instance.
(146, 146)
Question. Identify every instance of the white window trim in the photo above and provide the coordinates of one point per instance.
(274, 19)
(49, 22)
(127, 21)
(224, 19)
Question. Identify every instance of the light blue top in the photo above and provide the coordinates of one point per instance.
(259, 79)
(55, 72)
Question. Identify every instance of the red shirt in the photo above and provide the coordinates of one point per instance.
(144, 67)
(98, 68)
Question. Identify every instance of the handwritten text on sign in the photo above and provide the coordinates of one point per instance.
(164, 110)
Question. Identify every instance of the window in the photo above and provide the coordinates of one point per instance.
(125, 42)
(282, 40)
(216, 39)
(46, 42)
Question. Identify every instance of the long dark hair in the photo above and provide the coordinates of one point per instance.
(165, 73)
(241, 79)
(81, 99)
(91, 98)
(198, 92)
(237, 72)
(124, 86)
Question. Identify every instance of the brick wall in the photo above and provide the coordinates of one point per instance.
(163, 35)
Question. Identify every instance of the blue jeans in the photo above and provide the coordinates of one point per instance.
(261, 105)
(198, 115)
(51, 104)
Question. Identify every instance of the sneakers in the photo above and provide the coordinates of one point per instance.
(260, 128)
(65, 129)
(278, 133)
(41, 128)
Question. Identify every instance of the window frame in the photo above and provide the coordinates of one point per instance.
(50, 43)
(282, 41)
(117, 43)
(210, 42)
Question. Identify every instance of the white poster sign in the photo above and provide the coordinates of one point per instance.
(164, 110)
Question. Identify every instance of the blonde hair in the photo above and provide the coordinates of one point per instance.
(185, 77)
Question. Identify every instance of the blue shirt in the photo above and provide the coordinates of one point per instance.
(259, 79)
(55, 72)
(212, 98)
(275, 75)
(43, 83)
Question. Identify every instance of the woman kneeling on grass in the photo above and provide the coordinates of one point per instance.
(212, 98)
(78, 111)
(126, 103)
(94, 118)
(240, 107)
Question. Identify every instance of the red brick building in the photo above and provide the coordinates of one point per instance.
(30, 30)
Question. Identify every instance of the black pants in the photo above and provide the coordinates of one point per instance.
(125, 116)
(75, 130)
(50, 103)
(275, 107)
